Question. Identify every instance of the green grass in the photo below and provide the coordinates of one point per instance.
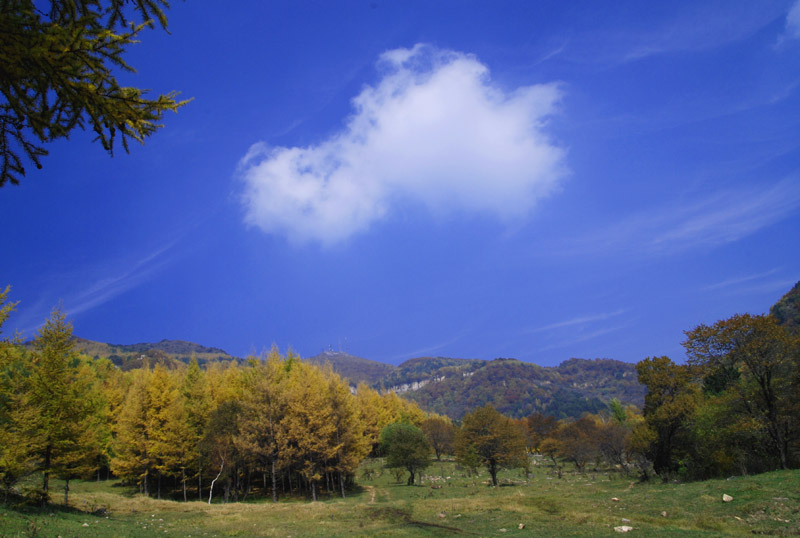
(448, 503)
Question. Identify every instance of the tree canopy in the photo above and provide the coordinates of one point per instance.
(405, 446)
(489, 438)
(57, 72)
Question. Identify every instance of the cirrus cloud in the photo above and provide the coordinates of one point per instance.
(434, 131)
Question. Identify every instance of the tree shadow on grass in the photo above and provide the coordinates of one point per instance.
(402, 516)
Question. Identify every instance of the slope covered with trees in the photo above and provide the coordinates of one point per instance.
(355, 369)
(518, 389)
(787, 310)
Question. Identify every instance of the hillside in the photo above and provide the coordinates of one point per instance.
(353, 368)
(443, 385)
(518, 389)
(787, 310)
(168, 353)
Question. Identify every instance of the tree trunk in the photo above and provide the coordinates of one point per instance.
(493, 472)
(274, 482)
(183, 480)
(66, 492)
(211, 489)
(46, 473)
(314, 490)
(341, 482)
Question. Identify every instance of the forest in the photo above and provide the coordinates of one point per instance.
(277, 426)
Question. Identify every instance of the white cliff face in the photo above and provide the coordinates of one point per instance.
(405, 387)
(415, 385)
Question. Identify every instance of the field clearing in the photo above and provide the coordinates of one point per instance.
(447, 503)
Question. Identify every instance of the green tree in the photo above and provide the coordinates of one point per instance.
(15, 414)
(405, 446)
(494, 439)
(60, 396)
(758, 360)
(57, 72)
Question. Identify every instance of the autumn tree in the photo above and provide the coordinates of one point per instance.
(758, 360)
(223, 452)
(309, 442)
(440, 433)
(405, 446)
(537, 428)
(59, 61)
(131, 460)
(495, 440)
(578, 442)
(669, 404)
(351, 444)
(197, 407)
(263, 406)
(373, 413)
(168, 434)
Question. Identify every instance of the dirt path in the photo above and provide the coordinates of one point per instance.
(371, 494)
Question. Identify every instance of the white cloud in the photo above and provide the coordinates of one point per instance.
(433, 131)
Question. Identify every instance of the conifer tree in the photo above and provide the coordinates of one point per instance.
(59, 396)
(59, 71)
(131, 460)
(349, 439)
(197, 406)
(15, 413)
(308, 422)
(263, 407)
(167, 431)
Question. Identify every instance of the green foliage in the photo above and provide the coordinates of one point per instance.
(58, 63)
(405, 446)
(754, 362)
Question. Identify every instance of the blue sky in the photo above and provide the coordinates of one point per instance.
(538, 180)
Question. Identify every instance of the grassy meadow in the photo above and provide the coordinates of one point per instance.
(447, 503)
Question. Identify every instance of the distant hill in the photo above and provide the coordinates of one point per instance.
(353, 368)
(169, 353)
(456, 386)
(443, 385)
(787, 310)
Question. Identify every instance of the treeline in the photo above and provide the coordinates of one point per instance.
(732, 409)
(275, 426)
